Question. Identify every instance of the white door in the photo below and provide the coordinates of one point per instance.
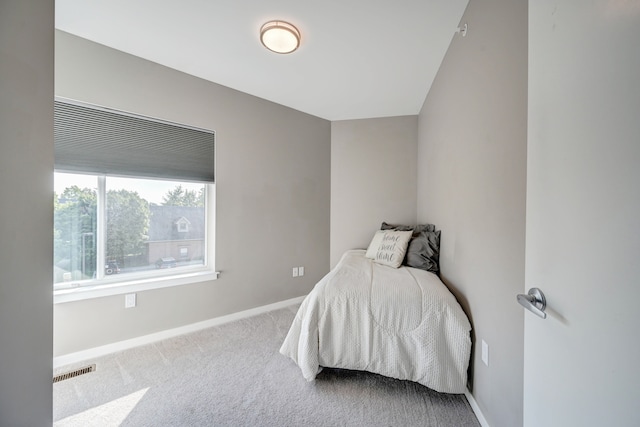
(582, 364)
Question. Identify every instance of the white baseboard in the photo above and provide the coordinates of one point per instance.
(92, 353)
(476, 409)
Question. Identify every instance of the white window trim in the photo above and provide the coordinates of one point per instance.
(78, 292)
(118, 288)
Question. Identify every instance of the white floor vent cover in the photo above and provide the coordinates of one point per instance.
(74, 373)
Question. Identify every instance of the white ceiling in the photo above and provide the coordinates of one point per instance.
(358, 58)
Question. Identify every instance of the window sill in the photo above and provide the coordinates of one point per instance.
(138, 285)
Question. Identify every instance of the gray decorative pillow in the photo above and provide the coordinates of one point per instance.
(424, 227)
(387, 226)
(424, 251)
(417, 229)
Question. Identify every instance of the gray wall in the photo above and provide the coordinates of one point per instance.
(26, 211)
(472, 184)
(373, 178)
(272, 184)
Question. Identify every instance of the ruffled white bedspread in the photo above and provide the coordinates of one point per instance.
(402, 323)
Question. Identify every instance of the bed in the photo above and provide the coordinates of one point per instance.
(393, 320)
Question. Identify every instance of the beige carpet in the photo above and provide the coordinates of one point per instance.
(233, 375)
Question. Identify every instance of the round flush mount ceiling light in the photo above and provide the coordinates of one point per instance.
(280, 37)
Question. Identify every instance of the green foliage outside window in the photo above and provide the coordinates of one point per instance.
(127, 224)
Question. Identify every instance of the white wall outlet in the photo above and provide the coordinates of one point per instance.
(485, 353)
(295, 272)
(129, 300)
(300, 271)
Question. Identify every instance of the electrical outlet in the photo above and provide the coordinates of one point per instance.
(295, 272)
(300, 271)
(485, 353)
(129, 300)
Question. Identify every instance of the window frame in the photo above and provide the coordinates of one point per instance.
(104, 285)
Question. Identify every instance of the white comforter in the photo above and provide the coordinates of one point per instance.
(402, 323)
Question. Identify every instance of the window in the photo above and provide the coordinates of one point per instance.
(184, 252)
(133, 198)
(139, 235)
(183, 225)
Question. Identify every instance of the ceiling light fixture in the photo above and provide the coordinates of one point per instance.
(280, 37)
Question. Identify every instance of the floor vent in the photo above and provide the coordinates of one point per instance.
(74, 373)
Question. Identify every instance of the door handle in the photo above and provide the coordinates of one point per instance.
(534, 301)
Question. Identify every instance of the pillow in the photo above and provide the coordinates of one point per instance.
(387, 226)
(425, 227)
(375, 244)
(424, 251)
(393, 247)
(417, 229)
